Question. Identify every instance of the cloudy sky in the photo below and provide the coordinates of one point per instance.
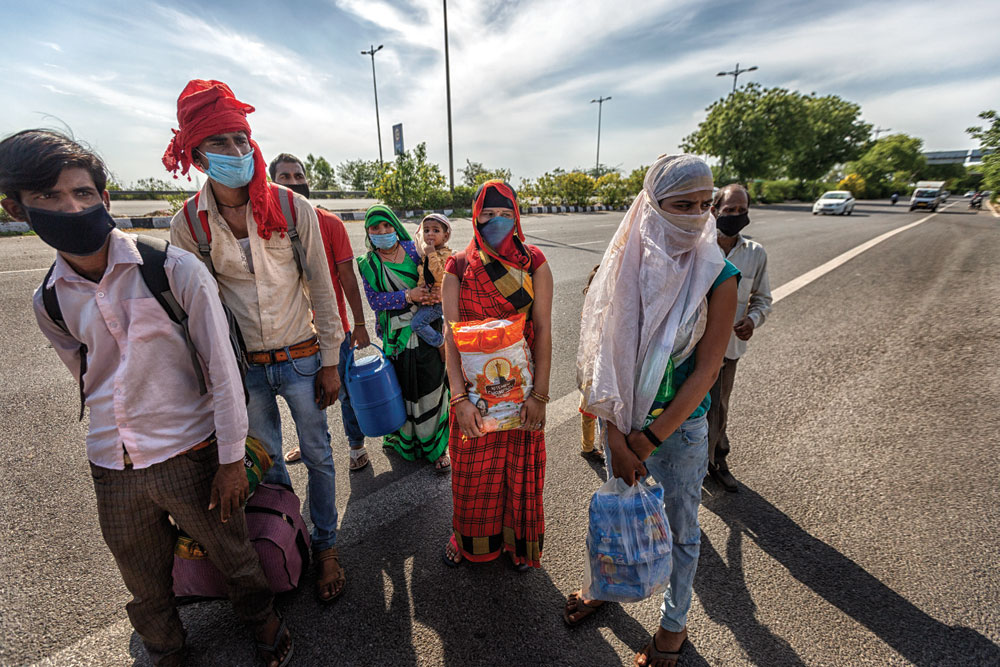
(522, 71)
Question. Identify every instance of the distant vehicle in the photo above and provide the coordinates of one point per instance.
(894, 198)
(970, 193)
(837, 202)
(927, 195)
(976, 202)
(944, 195)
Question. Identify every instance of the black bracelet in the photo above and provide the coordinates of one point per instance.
(648, 432)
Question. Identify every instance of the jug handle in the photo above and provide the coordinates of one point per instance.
(350, 356)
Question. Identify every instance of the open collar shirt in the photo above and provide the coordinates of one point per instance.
(753, 297)
(140, 385)
(275, 305)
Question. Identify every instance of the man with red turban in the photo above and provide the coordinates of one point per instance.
(278, 287)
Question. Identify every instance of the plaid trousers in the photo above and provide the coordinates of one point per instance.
(132, 506)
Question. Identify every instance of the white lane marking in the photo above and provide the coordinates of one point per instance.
(44, 268)
(795, 284)
(609, 224)
(577, 245)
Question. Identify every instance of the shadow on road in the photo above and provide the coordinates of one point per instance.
(914, 634)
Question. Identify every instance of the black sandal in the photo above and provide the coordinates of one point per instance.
(269, 652)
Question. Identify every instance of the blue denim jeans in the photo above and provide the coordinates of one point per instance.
(421, 324)
(355, 437)
(680, 465)
(294, 380)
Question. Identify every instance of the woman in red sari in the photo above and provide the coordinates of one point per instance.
(497, 477)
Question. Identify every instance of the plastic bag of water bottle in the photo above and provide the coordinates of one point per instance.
(628, 543)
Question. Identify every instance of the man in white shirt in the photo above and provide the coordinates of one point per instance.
(157, 444)
(731, 210)
(273, 274)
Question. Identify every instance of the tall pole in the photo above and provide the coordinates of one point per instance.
(880, 130)
(600, 107)
(378, 123)
(736, 75)
(447, 85)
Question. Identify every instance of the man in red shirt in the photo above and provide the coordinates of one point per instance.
(288, 170)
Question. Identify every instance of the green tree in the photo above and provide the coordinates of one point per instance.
(410, 181)
(754, 130)
(636, 179)
(358, 175)
(888, 161)
(576, 188)
(475, 174)
(832, 134)
(320, 173)
(612, 190)
(989, 139)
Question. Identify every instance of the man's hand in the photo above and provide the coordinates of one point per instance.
(359, 337)
(327, 386)
(743, 329)
(229, 489)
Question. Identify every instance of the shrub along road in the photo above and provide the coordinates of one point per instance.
(864, 433)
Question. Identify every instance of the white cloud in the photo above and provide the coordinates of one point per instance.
(52, 45)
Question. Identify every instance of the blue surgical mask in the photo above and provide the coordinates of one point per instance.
(233, 171)
(495, 230)
(383, 241)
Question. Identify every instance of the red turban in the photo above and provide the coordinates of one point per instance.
(206, 108)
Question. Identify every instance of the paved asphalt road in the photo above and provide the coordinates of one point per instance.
(865, 531)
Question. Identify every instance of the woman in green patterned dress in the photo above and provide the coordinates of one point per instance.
(389, 273)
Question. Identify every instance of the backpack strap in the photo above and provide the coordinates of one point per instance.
(287, 200)
(50, 301)
(201, 232)
(154, 256)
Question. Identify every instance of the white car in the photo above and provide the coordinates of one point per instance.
(839, 202)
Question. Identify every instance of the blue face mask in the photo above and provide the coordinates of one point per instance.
(383, 241)
(230, 170)
(495, 230)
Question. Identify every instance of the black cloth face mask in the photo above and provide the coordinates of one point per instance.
(730, 225)
(299, 189)
(82, 233)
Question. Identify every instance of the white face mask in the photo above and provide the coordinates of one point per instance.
(685, 222)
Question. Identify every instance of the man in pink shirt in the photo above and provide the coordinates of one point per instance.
(157, 444)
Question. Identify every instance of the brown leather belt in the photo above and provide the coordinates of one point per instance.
(306, 348)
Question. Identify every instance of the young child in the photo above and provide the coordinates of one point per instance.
(588, 422)
(432, 237)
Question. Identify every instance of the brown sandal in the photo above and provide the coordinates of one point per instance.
(579, 606)
(337, 576)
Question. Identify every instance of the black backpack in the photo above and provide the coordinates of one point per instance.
(154, 254)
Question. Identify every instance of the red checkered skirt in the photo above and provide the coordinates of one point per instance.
(496, 480)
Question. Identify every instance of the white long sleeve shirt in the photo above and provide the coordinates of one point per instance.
(140, 382)
(753, 296)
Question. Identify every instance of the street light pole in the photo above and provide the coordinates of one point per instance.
(600, 107)
(880, 130)
(447, 85)
(736, 75)
(378, 124)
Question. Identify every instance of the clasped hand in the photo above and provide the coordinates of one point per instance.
(425, 296)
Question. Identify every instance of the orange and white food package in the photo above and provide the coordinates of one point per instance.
(498, 369)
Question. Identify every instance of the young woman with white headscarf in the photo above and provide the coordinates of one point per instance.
(655, 325)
